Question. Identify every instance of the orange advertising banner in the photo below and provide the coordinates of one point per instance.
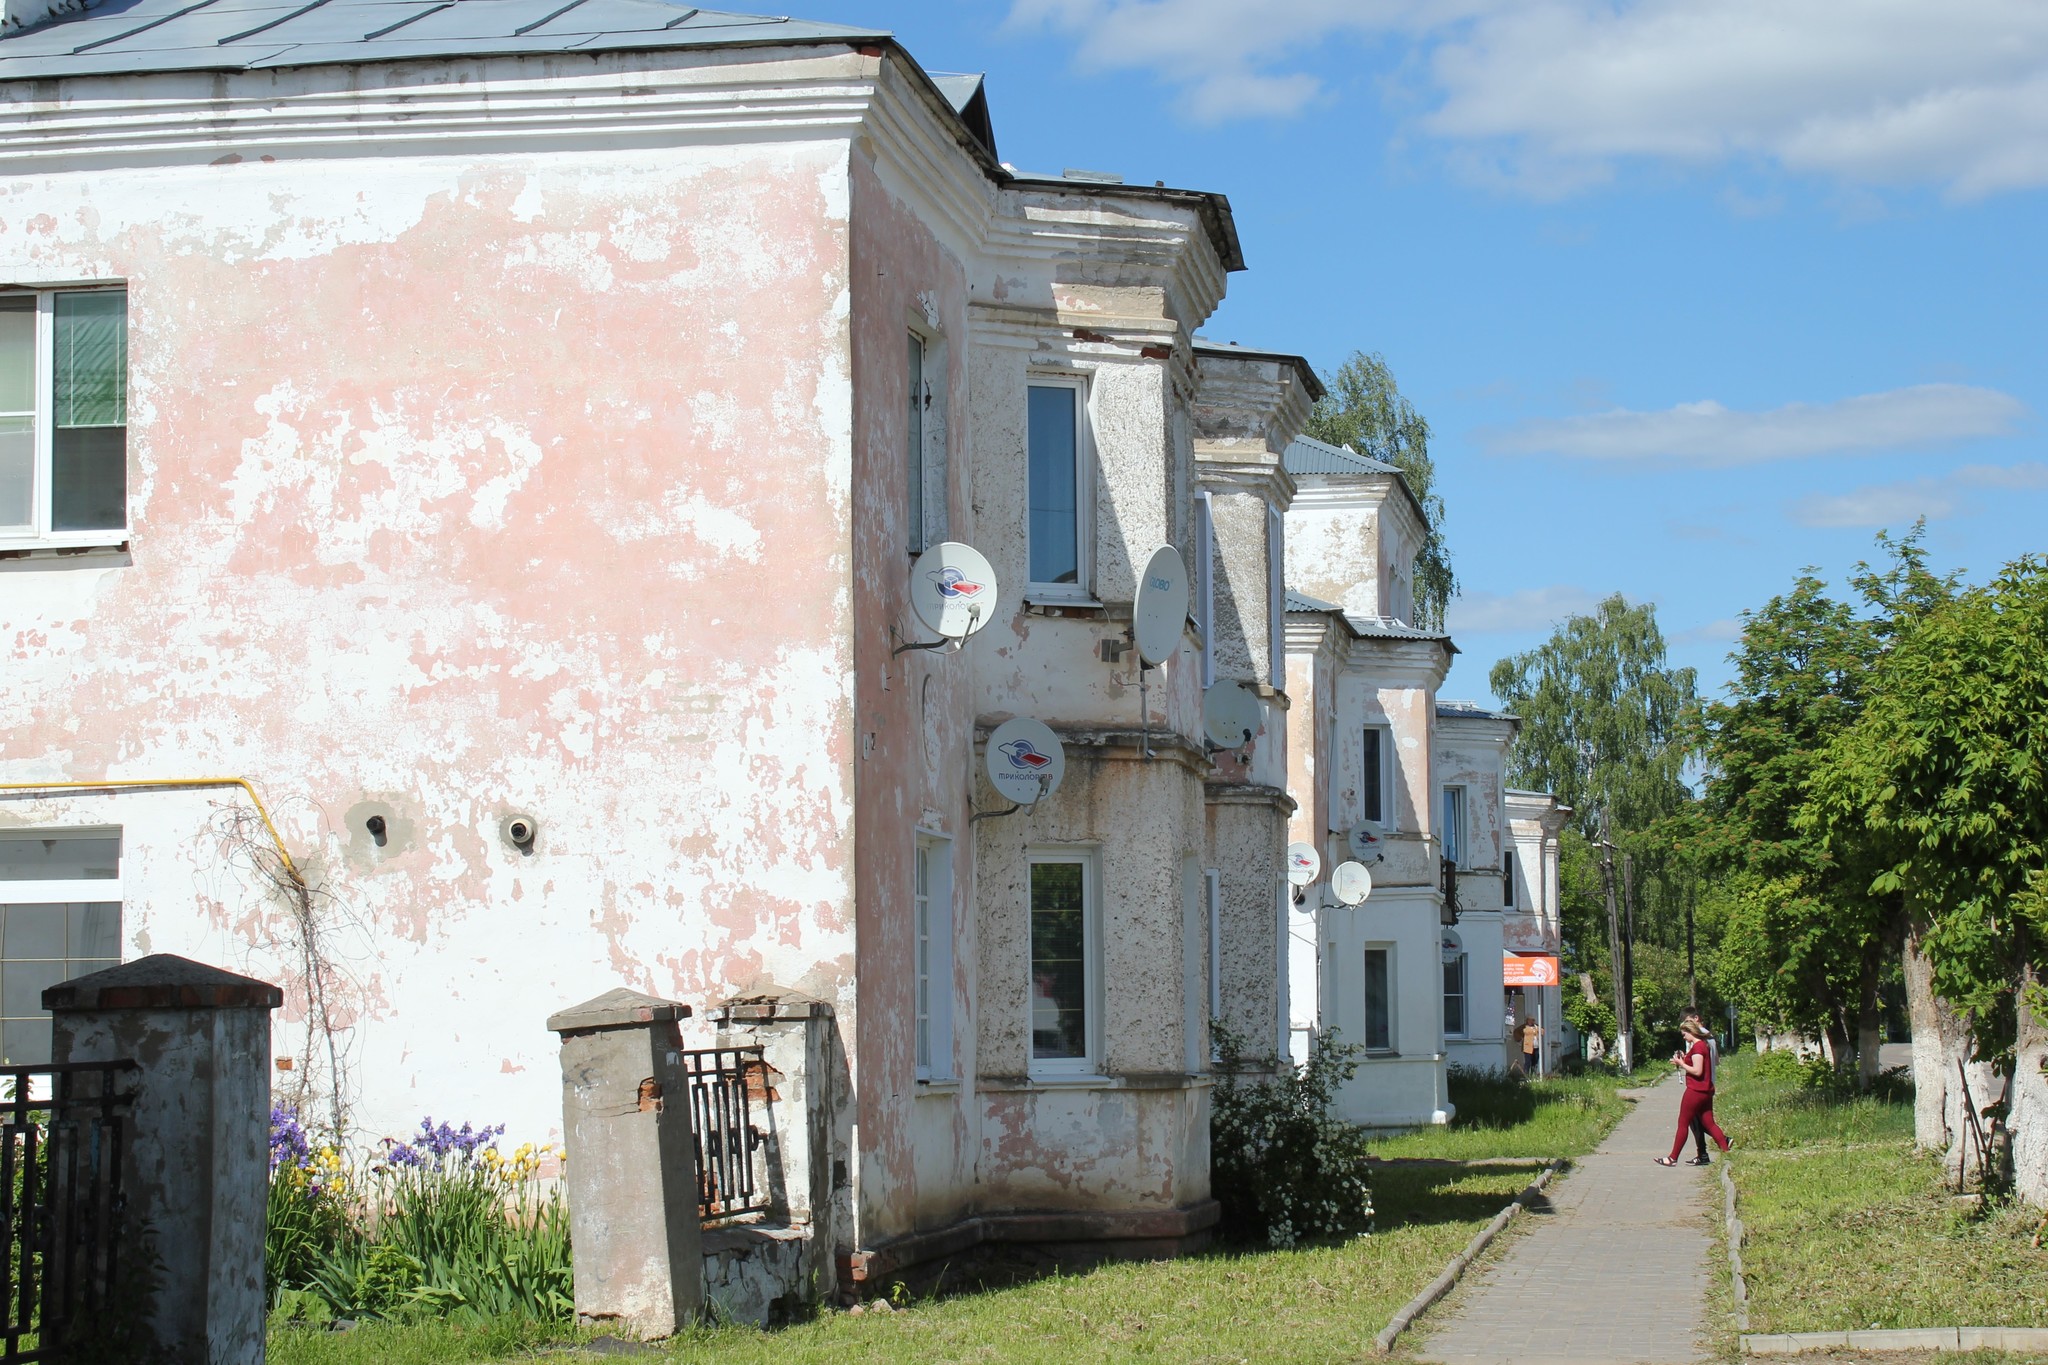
(1528, 969)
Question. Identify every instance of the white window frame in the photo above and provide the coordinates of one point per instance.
(1083, 588)
(932, 957)
(1464, 965)
(1365, 1006)
(42, 472)
(1385, 818)
(1212, 895)
(67, 890)
(1276, 597)
(1455, 815)
(1205, 583)
(1089, 1064)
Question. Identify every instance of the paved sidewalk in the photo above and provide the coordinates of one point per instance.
(1615, 1268)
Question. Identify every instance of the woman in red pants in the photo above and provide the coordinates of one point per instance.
(1697, 1105)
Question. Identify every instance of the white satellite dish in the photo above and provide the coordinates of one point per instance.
(1230, 715)
(953, 590)
(1160, 613)
(1351, 883)
(1366, 844)
(1304, 864)
(1025, 760)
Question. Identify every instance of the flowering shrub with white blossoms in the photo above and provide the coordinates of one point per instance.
(1284, 1171)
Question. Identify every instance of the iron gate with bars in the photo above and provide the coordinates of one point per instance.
(725, 1084)
(62, 1134)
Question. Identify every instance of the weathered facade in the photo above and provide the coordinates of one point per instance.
(527, 423)
(1471, 758)
(1531, 922)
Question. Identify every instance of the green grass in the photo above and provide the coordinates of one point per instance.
(1308, 1305)
(1500, 1116)
(1849, 1228)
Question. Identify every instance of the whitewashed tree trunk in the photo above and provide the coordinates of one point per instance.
(1941, 1040)
(2028, 1115)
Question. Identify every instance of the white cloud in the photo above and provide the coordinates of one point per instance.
(1719, 632)
(1709, 433)
(1892, 505)
(1548, 96)
(1531, 609)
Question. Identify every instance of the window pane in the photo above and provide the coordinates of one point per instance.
(34, 932)
(96, 933)
(58, 857)
(17, 353)
(1454, 996)
(1507, 881)
(91, 359)
(17, 470)
(915, 454)
(89, 479)
(1055, 530)
(25, 1042)
(1378, 1030)
(1059, 981)
(1370, 789)
(1454, 822)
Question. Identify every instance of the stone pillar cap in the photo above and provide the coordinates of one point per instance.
(162, 981)
(617, 1008)
(769, 1005)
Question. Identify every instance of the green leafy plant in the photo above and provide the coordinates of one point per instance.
(1284, 1171)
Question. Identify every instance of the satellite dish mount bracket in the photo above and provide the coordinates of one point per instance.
(950, 643)
(981, 815)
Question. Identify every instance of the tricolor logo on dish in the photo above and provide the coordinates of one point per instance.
(1302, 860)
(1024, 756)
(952, 583)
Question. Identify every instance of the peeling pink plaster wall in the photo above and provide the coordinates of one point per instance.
(472, 486)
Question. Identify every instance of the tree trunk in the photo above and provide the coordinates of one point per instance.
(1869, 1014)
(1941, 1043)
(2027, 1117)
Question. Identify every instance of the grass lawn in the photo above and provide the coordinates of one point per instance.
(1848, 1227)
(1497, 1116)
(1312, 1305)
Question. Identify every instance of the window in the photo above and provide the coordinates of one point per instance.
(63, 413)
(1063, 968)
(1056, 504)
(1507, 880)
(920, 399)
(1379, 1004)
(1276, 596)
(60, 917)
(1205, 584)
(1212, 887)
(1373, 779)
(932, 903)
(1454, 988)
(1454, 825)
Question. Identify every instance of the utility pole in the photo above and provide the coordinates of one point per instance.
(1613, 941)
(1626, 993)
(1692, 979)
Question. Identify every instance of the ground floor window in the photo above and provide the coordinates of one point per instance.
(1454, 995)
(1379, 1005)
(932, 906)
(60, 917)
(1063, 967)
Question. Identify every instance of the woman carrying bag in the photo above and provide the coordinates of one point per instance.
(1697, 1105)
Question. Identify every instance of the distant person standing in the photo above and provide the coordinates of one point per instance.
(1531, 1036)
(1697, 1104)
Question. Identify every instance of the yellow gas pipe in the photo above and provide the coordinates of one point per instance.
(187, 782)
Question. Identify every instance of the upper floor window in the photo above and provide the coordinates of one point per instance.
(1205, 583)
(1276, 598)
(1454, 825)
(1507, 880)
(1055, 498)
(1373, 795)
(60, 917)
(63, 412)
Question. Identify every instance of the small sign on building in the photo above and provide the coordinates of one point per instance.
(1528, 969)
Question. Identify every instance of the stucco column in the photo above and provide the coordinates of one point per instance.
(196, 1168)
(632, 1166)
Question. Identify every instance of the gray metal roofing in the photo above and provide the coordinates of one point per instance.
(1301, 601)
(1307, 455)
(1372, 627)
(114, 37)
(1473, 710)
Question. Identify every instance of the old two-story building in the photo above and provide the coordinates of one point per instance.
(502, 435)
(1532, 929)
(1471, 761)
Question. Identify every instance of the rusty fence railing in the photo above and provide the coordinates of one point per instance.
(62, 1133)
(728, 1109)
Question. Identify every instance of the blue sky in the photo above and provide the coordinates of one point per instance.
(1694, 293)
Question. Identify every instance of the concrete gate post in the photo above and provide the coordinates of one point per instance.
(197, 1166)
(632, 1165)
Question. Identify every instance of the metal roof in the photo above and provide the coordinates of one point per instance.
(1471, 710)
(1301, 601)
(1370, 627)
(114, 37)
(1307, 455)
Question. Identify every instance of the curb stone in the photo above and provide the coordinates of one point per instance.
(1735, 1252)
(1449, 1276)
(1899, 1339)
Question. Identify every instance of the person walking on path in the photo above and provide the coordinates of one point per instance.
(1697, 1104)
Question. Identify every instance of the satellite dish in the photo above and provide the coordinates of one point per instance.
(953, 590)
(1366, 845)
(1351, 883)
(1160, 613)
(1230, 715)
(1025, 760)
(1304, 864)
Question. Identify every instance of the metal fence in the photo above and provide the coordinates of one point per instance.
(62, 1132)
(726, 1085)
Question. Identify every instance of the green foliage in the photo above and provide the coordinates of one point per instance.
(1284, 1171)
(1364, 410)
(1605, 723)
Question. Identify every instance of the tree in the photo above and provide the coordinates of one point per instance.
(1365, 411)
(1605, 724)
(1944, 780)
